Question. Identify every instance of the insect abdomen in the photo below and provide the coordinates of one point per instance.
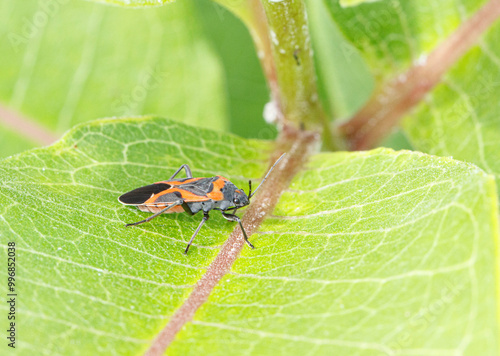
(159, 207)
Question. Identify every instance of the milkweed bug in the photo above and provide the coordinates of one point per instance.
(192, 195)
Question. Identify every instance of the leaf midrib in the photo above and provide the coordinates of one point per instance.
(299, 146)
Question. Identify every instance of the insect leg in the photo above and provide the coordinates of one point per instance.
(186, 169)
(232, 217)
(178, 202)
(205, 218)
(234, 210)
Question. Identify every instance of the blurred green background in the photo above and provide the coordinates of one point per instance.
(192, 61)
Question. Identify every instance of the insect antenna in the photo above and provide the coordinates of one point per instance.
(250, 193)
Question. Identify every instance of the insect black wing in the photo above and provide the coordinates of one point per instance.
(142, 194)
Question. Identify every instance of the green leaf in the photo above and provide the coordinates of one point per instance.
(366, 253)
(460, 116)
(87, 282)
(392, 35)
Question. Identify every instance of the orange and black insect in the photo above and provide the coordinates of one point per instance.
(192, 195)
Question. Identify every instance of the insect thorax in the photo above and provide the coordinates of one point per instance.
(205, 206)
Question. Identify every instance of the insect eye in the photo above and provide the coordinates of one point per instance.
(236, 201)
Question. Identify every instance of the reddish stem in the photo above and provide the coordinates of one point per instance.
(390, 103)
(26, 127)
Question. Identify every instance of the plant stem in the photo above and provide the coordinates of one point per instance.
(392, 101)
(281, 35)
(292, 53)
